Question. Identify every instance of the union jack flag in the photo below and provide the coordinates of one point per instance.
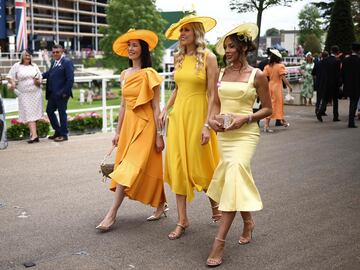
(20, 20)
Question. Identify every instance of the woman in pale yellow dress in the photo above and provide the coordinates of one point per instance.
(232, 186)
(191, 148)
(138, 164)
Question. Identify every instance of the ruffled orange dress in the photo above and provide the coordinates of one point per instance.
(275, 73)
(138, 166)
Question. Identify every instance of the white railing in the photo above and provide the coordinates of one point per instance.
(104, 108)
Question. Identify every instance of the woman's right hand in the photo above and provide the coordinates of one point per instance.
(162, 119)
(216, 125)
(115, 140)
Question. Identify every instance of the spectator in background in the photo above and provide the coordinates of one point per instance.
(350, 73)
(60, 79)
(329, 84)
(316, 73)
(25, 79)
(276, 71)
(307, 89)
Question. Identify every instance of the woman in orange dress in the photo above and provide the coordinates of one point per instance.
(138, 164)
(276, 71)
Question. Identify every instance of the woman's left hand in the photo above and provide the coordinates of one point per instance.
(237, 121)
(159, 143)
(205, 135)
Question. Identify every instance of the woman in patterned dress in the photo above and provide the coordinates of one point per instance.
(307, 90)
(25, 77)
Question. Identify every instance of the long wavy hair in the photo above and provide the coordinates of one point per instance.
(200, 47)
(22, 56)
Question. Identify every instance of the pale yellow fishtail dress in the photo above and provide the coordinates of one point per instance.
(233, 186)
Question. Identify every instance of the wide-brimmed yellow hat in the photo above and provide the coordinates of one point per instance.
(120, 45)
(276, 52)
(173, 32)
(248, 30)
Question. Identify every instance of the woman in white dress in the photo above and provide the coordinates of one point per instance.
(25, 77)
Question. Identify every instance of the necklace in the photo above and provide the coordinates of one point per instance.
(241, 67)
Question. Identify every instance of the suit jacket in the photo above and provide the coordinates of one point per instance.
(329, 77)
(60, 79)
(350, 73)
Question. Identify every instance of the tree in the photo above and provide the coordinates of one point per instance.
(309, 23)
(355, 8)
(312, 44)
(272, 32)
(121, 15)
(243, 6)
(341, 29)
(325, 10)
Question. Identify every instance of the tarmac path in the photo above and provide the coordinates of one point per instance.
(51, 199)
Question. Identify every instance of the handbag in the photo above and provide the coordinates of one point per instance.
(289, 98)
(106, 168)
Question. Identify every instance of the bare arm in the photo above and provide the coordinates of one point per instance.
(155, 103)
(121, 114)
(211, 78)
(287, 83)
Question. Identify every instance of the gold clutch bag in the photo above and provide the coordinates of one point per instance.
(106, 168)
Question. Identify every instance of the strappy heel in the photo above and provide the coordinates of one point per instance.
(154, 217)
(214, 262)
(176, 235)
(216, 217)
(244, 240)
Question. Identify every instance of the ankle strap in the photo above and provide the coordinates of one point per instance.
(215, 206)
(248, 221)
(221, 240)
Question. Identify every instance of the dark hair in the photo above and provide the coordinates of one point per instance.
(324, 54)
(274, 59)
(57, 46)
(145, 55)
(241, 41)
(23, 52)
(335, 49)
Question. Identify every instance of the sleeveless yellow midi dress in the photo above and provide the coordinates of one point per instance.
(138, 166)
(232, 185)
(189, 165)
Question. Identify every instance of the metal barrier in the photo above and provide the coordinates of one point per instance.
(168, 77)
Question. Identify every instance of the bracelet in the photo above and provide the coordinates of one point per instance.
(159, 132)
(250, 118)
(207, 126)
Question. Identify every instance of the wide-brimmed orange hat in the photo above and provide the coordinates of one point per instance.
(173, 32)
(249, 31)
(120, 45)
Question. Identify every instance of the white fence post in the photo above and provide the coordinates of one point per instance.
(104, 114)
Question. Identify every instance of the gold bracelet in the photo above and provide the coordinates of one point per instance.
(207, 126)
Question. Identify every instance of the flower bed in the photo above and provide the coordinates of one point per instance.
(20, 131)
(84, 123)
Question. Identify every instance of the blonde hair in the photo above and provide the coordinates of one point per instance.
(200, 47)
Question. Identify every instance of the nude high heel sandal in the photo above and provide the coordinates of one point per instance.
(211, 262)
(245, 240)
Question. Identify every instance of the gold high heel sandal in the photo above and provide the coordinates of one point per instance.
(211, 262)
(217, 217)
(243, 240)
(176, 235)
(154, 217)
(103, 228)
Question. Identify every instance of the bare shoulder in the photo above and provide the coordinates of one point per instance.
(210, 55)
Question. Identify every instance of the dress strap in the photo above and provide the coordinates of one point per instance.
(221, 74)
(252, 76)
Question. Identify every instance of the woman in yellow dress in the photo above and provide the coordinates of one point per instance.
(191, 148)
(232, 186)
(138, 164)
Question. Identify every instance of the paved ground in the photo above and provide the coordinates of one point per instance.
(51, 199)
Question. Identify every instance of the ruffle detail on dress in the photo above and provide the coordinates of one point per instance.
(234, 189)
(129, 175)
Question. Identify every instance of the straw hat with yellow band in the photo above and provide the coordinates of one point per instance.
(245, 31)
(120, 45)
(173, 32)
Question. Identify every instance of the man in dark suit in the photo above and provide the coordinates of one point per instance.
(329, 83)
(316, 73)
(350, 73)
(60, 79)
